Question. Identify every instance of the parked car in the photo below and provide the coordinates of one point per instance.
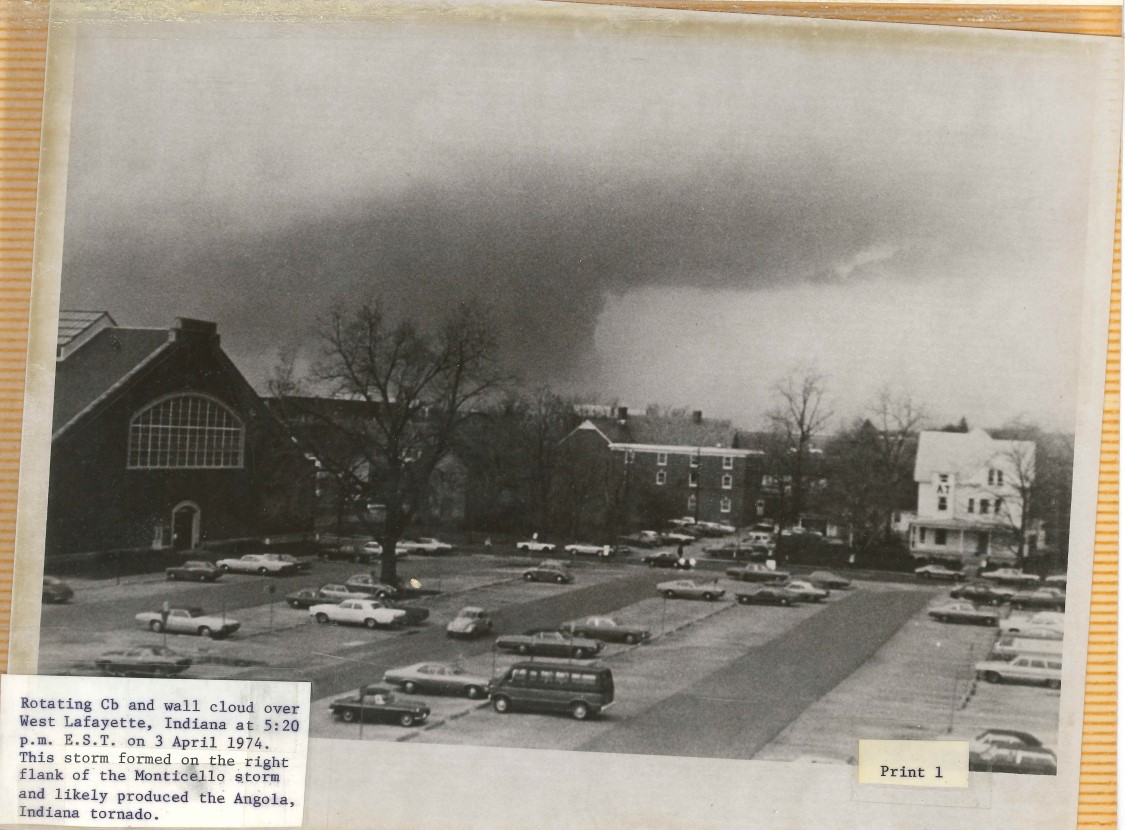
(536, 546)
(829, 580)
(1034, 632)
(470, 622)
(1013, 645)
(736, 550)
(308, 597)
(1023, 760)
(677, 538)
(768, 595)
(1035, 668)
(143, 661)
(1051, 599)
(1016, 623)
(714, 528)
(982, 593)
(690, 589)
(369, 585)
(643, 539)
(415, 614)
(964, 612)
(548, 643)
(375, 703)
(301, 564)
(806, 591)
(583, 691)
(582, 549)
(1056, 581)
(195, 570)
(668, 559)
(354, 550)
(683, 521)
(606, 629)
(425, 544)
(1010, 576)
(939, 572)
(438, 678)
(757, 572)
(549, 571)
(55, 590)
(1009, 738)
(188, 621)
(259, 563)
(366, 612)
(760, 539)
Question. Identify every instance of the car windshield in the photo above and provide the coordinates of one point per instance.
(195, 612)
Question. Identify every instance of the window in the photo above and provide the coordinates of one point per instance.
(999, 478)
(921, 534)
(661, 477)
(996, 505)
(185, 431)
(691, 502)
(728, 482)
(942, 503)
(695, 460)
(972, 505)
(693, 479)
(728, 462)
(983, 506)
(662, 459)
(939, 537)
(943, 478)
(724, 505)
(629, 456)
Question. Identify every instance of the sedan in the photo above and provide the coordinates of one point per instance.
(469, 622)
(690, 589)
(1023, 760)
(368, 584)
(756, 572)
(1051, 599)
(734, 550)
(982, 592)
(581, 549)
(1034, 668)
(426, 544)
(535, 546)
(143, 661)
(308, 597)
(606, 629)
(549, 571)
(768, 595)
(827, 579)
(806, 591)
(365, 612)
(1009, 738)
(415, 614)
(668, 559)
(55, 590)
(939, 572)
(964, 612)
(188, 621)
(438, 678)
(1010, 576)
(375, 703)
(1016, 623)
(643, 539)
(257, 563)
(195, 570)
(299, 564)
(549, 643)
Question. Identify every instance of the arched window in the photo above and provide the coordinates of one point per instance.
(185, 432)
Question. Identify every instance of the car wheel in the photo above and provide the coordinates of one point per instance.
(172, 576)
(322, 618)
(559, 580)
(348, 715)
(294, 604)
(409, 687)
(743, 600)
(204, 577)
(579, 710)
(1054, 684)
(528, 577)
(205, 631)
(156, 626)
(709, 597)
(501, 704)
(370, 622)
(474, 692)
(630, 640)
(406, 720)
(670, 594)
(262, 571)
(358, 559)
(580, 653)
(224, 568)
(991, 677)
(924, 575)
(522, 648)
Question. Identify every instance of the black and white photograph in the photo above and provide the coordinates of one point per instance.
(637, 382)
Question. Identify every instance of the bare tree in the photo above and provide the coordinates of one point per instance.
(799, 414)
(897, 418)
(396, 397)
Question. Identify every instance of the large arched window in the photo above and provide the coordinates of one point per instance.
(185, 431)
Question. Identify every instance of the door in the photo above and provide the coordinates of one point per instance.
(185, 527)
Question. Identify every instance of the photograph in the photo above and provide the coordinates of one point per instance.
(602, 381)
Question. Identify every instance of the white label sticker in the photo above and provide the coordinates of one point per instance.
(914, 763)
(101, 751)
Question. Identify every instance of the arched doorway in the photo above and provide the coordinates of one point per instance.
(185, 526)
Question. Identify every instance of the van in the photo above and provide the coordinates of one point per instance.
(583, 691)
(759, 539)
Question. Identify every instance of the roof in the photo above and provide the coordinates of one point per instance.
(962, 453)
(73, 323)
(100, 364)
(666, 431)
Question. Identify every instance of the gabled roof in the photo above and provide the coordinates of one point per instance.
(74, 323)
(962, 453)
(101, 364)
(662, 430)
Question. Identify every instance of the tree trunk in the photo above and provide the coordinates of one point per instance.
(392, 527)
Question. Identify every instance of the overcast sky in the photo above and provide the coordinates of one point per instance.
(657, 213)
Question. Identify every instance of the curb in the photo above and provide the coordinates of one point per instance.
(434, 724)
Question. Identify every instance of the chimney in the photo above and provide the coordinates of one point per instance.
(188, 330)
(622, 413)
(697, 416)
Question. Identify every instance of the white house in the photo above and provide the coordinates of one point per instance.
(971, 494)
